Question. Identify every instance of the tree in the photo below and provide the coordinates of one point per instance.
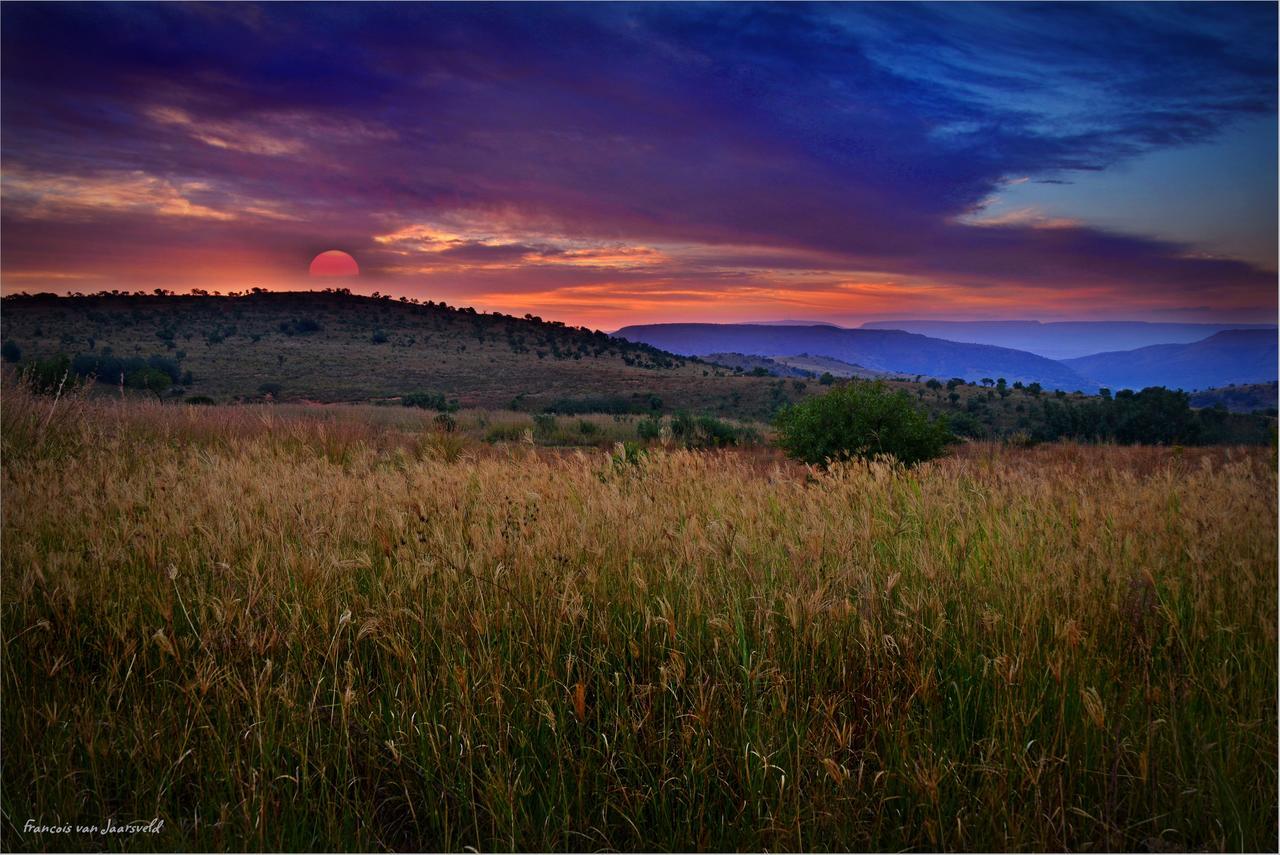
(10, 351)
(827, 378)
(864, 420)
(153, 380)
(47, 376)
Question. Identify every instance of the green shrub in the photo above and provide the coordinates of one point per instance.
(649, 428)
(201, 400)
(705, 431)
(430, 401)
(861, 419)
(544, 425)
(505, 433)
(299, 326)
(108, 369)
(11, 352)
(152, 380)
(47, 376)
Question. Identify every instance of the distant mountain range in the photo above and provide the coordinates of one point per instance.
(1233, 356)
(891, 351)
(790, 323)
(1221, 358)
(1066, 339)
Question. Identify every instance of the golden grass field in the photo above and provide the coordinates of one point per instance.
(281, 628)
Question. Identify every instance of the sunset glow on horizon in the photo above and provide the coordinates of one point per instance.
(615, 164)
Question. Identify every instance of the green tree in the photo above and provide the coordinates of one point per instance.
(153, 380)
(47, 376)
(861, 419)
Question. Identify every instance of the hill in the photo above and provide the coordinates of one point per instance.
(1246, 398)
(890, 351)
(759, 365)
(819, 365)
(804, 366)
(1234, 356)
(334, 346)
(1063, 339)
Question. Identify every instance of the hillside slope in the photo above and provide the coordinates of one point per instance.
(1234, 356)
(334, 346)
(882, 350)
(1247, 398)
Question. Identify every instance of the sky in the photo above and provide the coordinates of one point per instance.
(608, 164)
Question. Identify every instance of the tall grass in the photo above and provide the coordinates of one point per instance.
(277, 632)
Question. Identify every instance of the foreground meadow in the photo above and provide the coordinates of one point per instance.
(274, 630)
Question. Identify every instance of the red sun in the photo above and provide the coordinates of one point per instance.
(334, 262)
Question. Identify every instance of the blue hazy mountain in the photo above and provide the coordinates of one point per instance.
(891, 351)
(1233, 356)
(1064, 339)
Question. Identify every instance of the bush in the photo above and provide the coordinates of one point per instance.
(201, 400)
(649, 428)
(47, 376)
(506, 433)
(430, 401)
(861, 419)
(152, 380)
(703, 431)
(10, 351)
(299, 326)
(272, 389)
(544, 425)
(109, 369)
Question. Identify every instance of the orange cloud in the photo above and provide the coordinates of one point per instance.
(44, 195)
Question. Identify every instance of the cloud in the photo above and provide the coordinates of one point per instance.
(239, 136)
(763, 148)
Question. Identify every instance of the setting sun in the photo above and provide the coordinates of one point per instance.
(334, 262)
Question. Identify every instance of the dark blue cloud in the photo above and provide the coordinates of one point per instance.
(855, 132)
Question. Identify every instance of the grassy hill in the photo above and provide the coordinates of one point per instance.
(819, 365)
(1245, 398)
(334, 346)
